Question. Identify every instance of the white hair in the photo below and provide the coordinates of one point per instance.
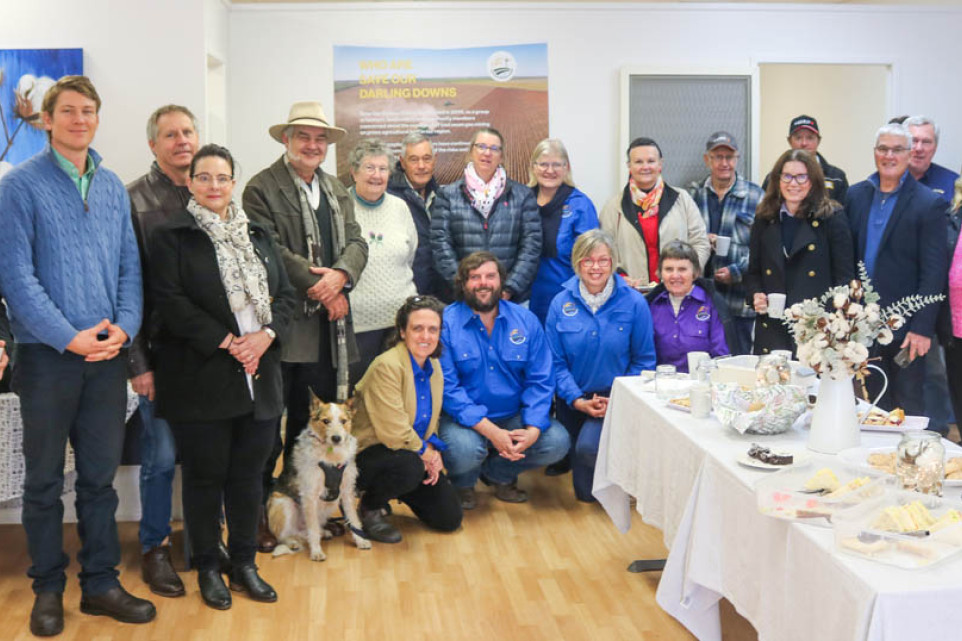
(891, 129)
(920, 121)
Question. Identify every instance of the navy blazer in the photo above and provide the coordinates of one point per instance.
(912, 255)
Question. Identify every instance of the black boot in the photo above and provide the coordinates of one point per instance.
(244, 578)
(213, 590)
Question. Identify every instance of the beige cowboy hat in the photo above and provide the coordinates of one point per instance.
(311, 114)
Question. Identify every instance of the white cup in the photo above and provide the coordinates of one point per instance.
(722, 245)
(694, 358)
(776, 305)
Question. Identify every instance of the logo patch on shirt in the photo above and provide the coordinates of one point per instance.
(569, 309)
(517, 337)
(829, 184)
(566, 211)
(702, 314)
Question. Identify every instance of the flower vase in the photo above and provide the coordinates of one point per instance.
(834, 420)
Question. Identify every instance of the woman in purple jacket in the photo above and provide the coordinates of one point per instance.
(682, 312)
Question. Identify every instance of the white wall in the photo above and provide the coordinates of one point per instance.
(283, 53)
(139, 54)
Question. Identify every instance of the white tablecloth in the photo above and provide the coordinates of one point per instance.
(11, 448)
(784, 577)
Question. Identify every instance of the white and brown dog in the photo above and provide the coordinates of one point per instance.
(324, 476)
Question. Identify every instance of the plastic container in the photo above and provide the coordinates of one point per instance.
(858, 531)
(782, 495)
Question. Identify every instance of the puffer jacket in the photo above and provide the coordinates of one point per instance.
(512, 232)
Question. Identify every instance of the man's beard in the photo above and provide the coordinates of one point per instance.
(471, 298)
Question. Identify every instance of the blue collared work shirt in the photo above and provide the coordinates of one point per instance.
(500, 375)
(422, 389)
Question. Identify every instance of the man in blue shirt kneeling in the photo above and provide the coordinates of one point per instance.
(498, 385)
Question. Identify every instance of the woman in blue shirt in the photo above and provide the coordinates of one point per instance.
(598, 328)
(565, 213)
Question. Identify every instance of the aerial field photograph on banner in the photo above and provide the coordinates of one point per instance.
(445, 94)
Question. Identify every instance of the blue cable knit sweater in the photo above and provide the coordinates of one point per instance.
(66, 264)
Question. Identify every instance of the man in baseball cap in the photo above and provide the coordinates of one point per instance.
(727, 203)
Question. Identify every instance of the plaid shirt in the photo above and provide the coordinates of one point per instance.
(738, 213)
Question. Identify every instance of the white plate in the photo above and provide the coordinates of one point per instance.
(910, 423)
(798, 459)
(858, 456)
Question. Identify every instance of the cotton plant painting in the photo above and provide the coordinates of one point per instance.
(25, 76)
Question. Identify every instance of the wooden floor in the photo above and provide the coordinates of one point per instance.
(552, 568)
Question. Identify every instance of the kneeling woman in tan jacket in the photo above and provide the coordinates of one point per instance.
(398, 403)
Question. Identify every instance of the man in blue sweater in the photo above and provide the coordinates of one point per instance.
(498, 385)
(70, 272)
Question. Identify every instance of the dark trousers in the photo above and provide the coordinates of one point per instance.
(64, 397)
(223, 459)
(584, 445)
(386, 474)
(953, 368)
(905, 384)
(369, 346)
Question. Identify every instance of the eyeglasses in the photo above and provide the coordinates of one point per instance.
(374, 169)
(725, 158)
(494, 149)
(553, 166)
(800, 179)
(601, 262)
(882, 150)
(220, 180)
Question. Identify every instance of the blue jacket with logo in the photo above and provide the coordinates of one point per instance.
(577, 217)
(500, 375)
(590, 350)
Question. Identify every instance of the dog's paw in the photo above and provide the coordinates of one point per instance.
(362, 544)
(293, 545)
(326, 534)
(318, 555)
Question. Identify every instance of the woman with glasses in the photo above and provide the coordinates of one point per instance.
(800, 245)
(224, 303)
(598, 328)
(648, 214)
(487, 211)
(565, 212)
(392, 240)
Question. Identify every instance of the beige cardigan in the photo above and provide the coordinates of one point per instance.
(682, 222)
(386, 403)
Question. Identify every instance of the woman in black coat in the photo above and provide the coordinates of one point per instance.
(224, 303)
(800, 245)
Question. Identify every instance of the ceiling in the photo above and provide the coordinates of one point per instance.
(885, 2)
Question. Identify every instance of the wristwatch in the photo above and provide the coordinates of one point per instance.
(270, 332)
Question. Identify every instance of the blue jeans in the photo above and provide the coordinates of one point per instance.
(64, 397)
(158, 457)
(583, 461)
(469, 455)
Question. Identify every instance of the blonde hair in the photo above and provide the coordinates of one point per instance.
(554, 147)
(587, 243)
(957, 199)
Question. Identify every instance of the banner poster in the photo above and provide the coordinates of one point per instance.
(25, 77)
(446, 94)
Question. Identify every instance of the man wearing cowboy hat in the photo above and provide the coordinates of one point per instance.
(312, 218)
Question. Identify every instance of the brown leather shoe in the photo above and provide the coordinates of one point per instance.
(118, 604)
(46, 618)
(159, 574)
(266, 541)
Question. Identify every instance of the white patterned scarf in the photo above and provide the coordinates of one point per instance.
(483, 194)
(242, 273)
(595, 301)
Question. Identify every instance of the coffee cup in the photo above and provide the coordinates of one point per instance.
(776, 305)
(722, 245)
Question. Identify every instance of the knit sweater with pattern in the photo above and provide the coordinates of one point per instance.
(65, 263)
(388, 279)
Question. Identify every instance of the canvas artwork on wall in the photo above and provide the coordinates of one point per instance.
(25, 76)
